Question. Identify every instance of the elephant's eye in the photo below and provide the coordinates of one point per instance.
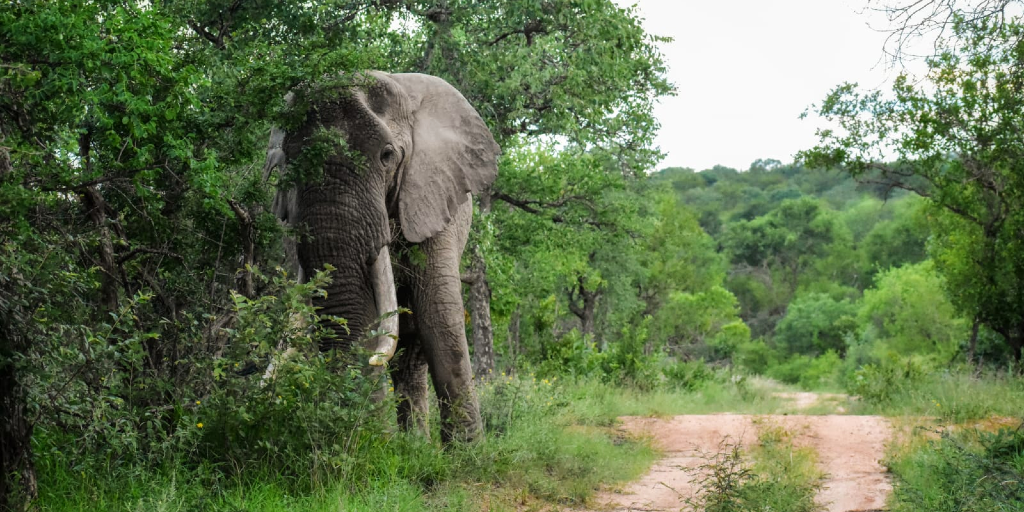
(387, 155)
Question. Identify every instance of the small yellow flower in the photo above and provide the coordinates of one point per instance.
(200, 425)
(198, 402)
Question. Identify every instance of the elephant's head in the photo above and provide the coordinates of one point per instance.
(412, 149)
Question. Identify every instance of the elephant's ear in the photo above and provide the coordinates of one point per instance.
(453, 154)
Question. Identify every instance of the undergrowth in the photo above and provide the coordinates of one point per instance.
(775, 475)
(959, 469)
(548, 440)
(951, 395)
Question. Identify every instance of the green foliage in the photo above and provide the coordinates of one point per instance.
(814, 324)
(533, 448)
(950, 137)
(755, 356)
(962, 470)
(907, 313)
(904, 387)
(699, 324)
(781, 477)
(688, 375)
(305, 417)
(881, 383)
(809, 372)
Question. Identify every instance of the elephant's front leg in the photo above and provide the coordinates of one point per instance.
(410, 372)
(440, 319)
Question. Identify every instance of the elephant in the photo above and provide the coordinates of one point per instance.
(391, 212)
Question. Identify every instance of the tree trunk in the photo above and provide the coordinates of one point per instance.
(17, 472)
(973, 344)
(583, 304)
(95, 209)
(247, 230)
(480, 303)
(480, 316)
(18, 482)
(513, 336)
(1016, 340)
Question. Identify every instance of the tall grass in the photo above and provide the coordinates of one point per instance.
(544, 441)
(955, 395)
(964, 469)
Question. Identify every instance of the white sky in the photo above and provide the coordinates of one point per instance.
(746, 69)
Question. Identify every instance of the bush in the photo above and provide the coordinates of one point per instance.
(814, 324)
(688, 375)
(809, 372)
(782, 477)
(908, 313)
(881, 383)
(755, 356)
(307, 416)
(963, 470)
(625, 362)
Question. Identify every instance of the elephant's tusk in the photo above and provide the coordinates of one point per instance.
(387, 307)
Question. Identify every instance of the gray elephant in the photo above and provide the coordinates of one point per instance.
(414, 151)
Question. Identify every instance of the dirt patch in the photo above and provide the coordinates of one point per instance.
(849, 450)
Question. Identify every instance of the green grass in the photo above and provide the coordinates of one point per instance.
(544, 444)
(547, 442)
(774, 475)
(595, 403)
(962, 469)
(951, 396)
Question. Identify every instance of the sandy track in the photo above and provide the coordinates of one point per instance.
(849, 450)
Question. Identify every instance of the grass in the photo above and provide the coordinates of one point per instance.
(595, 403)
(961, 468)
(548, 442)
(950, 396)
(774, 475)
(544, 445)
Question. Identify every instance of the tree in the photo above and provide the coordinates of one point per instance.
(907, 313)
(932, 19)
(129, 138)
(814, 324)
(774, 253)
(953, 138)
(589, 80)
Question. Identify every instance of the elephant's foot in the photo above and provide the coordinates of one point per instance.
(460, 420)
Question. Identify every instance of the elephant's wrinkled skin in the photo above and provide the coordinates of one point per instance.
(416, 150)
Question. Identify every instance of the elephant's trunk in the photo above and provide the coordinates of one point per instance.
(383, 279)
(347, 227)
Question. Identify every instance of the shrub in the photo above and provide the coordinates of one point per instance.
(880, 383)
(814, 324)
(963, 470)
(688, 375)
(809, 372)
(907, 313)
(304, 418)
(755, 356)
(781, 477)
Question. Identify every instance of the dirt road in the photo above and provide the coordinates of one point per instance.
(849, 449)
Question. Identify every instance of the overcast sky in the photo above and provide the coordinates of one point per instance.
(746, 69)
